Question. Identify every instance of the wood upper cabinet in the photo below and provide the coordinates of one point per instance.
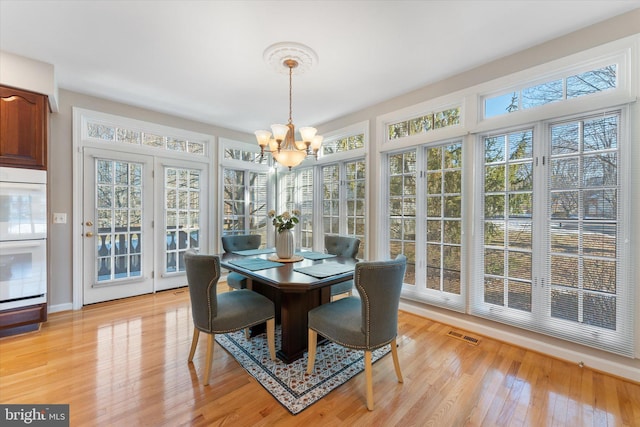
(23, 128)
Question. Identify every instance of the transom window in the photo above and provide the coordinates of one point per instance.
(424, 123)
(569, 87)
(245, 156)
(352, 142)
(105, 132)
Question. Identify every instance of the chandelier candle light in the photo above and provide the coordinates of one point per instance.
(283, 146)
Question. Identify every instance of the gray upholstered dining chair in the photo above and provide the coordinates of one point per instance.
(241, 242)
(364, 323)
(227, 312)
(341, 246)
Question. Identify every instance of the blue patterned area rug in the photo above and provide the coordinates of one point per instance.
(290, 384)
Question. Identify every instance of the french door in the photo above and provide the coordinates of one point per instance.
(140, 214)
(117, 225)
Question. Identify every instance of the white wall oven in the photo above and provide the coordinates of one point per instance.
(23, 233)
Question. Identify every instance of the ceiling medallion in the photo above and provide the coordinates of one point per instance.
(276, 55)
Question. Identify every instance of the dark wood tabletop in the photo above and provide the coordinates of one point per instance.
(284, 277)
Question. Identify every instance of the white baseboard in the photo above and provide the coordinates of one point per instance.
(598, 360)
(59, 307)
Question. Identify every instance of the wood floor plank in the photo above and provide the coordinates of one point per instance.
(125, 363)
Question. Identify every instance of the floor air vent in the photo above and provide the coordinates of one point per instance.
(463, 337)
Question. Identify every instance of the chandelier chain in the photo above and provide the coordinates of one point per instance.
(290, 92)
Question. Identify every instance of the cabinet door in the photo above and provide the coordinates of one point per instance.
(23, 129)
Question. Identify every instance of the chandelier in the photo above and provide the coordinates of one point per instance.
(283, 146)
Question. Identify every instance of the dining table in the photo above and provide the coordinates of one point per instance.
(296, 285)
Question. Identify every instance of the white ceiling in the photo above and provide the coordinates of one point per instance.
(202, 60)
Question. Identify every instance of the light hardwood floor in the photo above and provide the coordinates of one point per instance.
(124, 363)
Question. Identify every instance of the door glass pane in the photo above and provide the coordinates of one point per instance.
(182, 215)
(118, 204)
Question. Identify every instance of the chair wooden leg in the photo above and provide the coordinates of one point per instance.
(311, 359)
(194, 343)
(396, 362)
(207, 367)
(271, 337)
(368, 370)
(333, 297)
(247, 334)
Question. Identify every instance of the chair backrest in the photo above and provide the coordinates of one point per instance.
(379, 284)
(341, 245)
(241, 242)
(203, 272)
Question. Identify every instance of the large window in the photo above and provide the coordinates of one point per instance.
(245, 202)
(584, 225)
(402, 210)
(552, 228)
(343, 200)
(425, 221)
(444, 218)
(296, 193)
(508, 191)
(539, 211)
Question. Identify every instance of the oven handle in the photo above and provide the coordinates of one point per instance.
(22, 243)
(23, 186)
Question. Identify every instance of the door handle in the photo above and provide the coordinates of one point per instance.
(89, 234)
(89, 223)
